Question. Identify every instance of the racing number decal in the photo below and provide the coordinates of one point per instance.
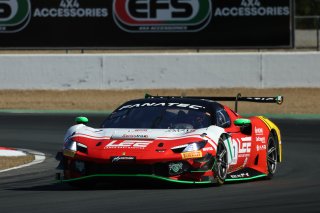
(241, 147)
(234, 152)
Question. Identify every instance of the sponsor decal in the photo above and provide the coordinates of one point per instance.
(241, 147)
(70, 8)
(117, 159)
(246, 139)
(261, 139)
(241, 175)
(134, 136)
(189, 155)
(14, 15)
(181, 130)
(245, 162)
(127, 144)
(208, 149)
(261, 147)
(138, 130)
(162, 15)
(252, 8)
(175, 168)
(258, 131)
(182, 105)
(245, 147)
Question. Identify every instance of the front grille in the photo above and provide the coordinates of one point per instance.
(159, 169)
(119, 169)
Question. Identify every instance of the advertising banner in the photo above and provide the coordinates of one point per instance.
(113, 24)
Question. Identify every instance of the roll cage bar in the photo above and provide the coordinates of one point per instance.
(278, 99)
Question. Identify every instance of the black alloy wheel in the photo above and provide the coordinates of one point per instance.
(221, 163)
(272, 156)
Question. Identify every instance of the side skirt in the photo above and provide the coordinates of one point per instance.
(244, 175)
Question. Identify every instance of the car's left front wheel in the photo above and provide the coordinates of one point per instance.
(221, 164)
(272, 156)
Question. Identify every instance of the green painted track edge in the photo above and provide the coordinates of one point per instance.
(106, 112)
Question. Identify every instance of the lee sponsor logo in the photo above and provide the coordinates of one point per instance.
(70, 8)
(14, 15)
(241, 147)
(189, 155)
(245, 148)
(162, 15)
(128, 144)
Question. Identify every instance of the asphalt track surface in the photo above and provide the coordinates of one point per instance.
(295, 188)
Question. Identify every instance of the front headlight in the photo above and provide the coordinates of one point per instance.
(189, 147)
(70, 145)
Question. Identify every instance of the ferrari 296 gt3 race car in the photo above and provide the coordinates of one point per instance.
(191, 140)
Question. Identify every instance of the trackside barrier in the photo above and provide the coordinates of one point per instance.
(140, 71)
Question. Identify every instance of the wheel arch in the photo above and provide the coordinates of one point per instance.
(274, 130)
(228, 144)
(216, 134)
(279, 148)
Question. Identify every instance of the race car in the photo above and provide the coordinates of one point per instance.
(189, 140)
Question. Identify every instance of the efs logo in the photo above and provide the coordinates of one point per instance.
(14, 15)
(162, 15)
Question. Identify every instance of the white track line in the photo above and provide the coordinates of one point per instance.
(39, 158)
(11, 153)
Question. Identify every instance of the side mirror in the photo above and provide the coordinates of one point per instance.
(242, 122)
(81, 120)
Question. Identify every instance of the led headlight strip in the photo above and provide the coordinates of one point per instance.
(71, 147)
(190, 147)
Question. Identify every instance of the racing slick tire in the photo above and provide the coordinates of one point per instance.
(272, 156)
(221, 164)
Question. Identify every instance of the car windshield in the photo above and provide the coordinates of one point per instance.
(158, 118)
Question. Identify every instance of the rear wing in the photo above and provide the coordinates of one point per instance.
(277, 99)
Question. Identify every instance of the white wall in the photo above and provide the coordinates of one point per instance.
(138, 71)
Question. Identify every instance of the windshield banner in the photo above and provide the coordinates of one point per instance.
(138, 24)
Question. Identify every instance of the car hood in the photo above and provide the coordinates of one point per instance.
(130, 134)
(145, 144)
